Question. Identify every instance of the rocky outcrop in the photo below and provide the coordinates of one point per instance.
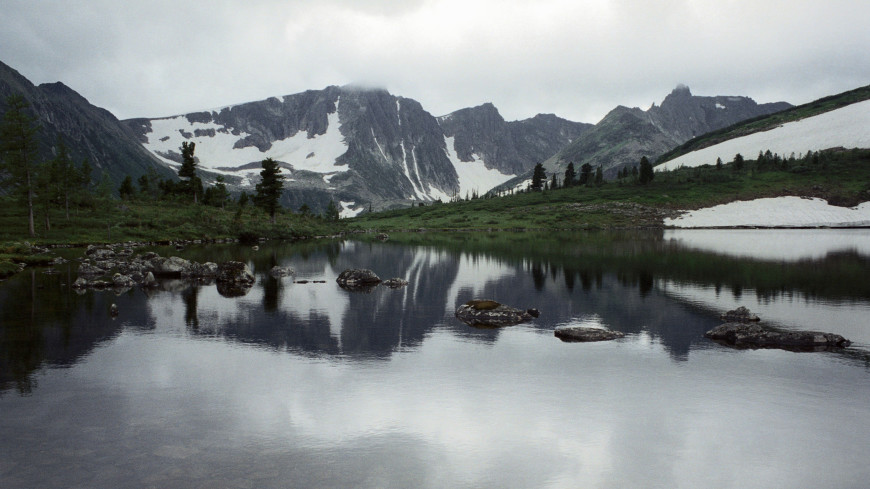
(755, 335)
(583, 334)
(489, 313)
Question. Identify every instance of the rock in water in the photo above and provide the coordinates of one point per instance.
(279, 271)
(755, 335)
(395, 283)
(739, 315)
(582, 334)
(489, 313)
(358, 279)
(234, 272)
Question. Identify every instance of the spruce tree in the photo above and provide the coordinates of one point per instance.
(270, 188)
(332, 214)
(188, 169)
(646, 173)
(538, 177)
(585, 173)
(570, 175)
(18, 152)
(126, 188)
(599, 175)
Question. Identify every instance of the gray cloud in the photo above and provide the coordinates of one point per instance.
(575, 59)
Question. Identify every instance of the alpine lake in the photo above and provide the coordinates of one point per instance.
(299, 383)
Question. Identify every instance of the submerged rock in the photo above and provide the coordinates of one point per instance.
(583, 334)
(756, 335)
(740, 315)
(395, 283)
(279, 271)
(489, 313)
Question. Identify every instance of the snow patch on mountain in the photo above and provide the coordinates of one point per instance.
(473, 175)
(348, 210)
(776, 212)
(316, 154)
(846, 127)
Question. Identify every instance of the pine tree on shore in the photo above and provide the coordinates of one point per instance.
(270, 188)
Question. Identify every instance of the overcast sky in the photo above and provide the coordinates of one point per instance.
(575, 58)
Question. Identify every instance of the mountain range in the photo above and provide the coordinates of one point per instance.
(366, 148)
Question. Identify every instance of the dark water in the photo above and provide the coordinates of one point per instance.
(309, 385)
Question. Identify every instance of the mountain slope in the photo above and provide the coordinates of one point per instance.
(361, 147)
(88, 131)
(625, 135)
(843, 127)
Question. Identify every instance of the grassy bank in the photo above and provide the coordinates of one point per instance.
(117, 221)
(841, 177)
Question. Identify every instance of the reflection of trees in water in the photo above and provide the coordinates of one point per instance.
(46, 323)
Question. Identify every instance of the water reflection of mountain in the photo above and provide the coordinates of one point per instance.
(321, 318)
(612, 280)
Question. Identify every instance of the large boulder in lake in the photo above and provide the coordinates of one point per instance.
(489, 313)
(234, 279)
(234, 272)
(584, 334)
(755, 335)
(169, 267)
(358, 279)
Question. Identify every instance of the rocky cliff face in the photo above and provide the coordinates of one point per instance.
(625, 135)
(89, 132)
(510, 147)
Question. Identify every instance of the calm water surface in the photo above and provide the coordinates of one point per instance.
(309, 385)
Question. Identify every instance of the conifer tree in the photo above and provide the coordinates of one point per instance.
(570, 175)
(188, 170)
(125, 190)
(585, 173)
(538, 177)
(270, 188)
(646, 173)
(18, 150)
(332, 214)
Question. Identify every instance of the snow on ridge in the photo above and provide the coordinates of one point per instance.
(775, 212)
(846, 127)
(473, 175)
(317, 154)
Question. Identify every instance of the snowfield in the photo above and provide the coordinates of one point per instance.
(848, 127)
(317, 154)
(473, 175)
(776, 212)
